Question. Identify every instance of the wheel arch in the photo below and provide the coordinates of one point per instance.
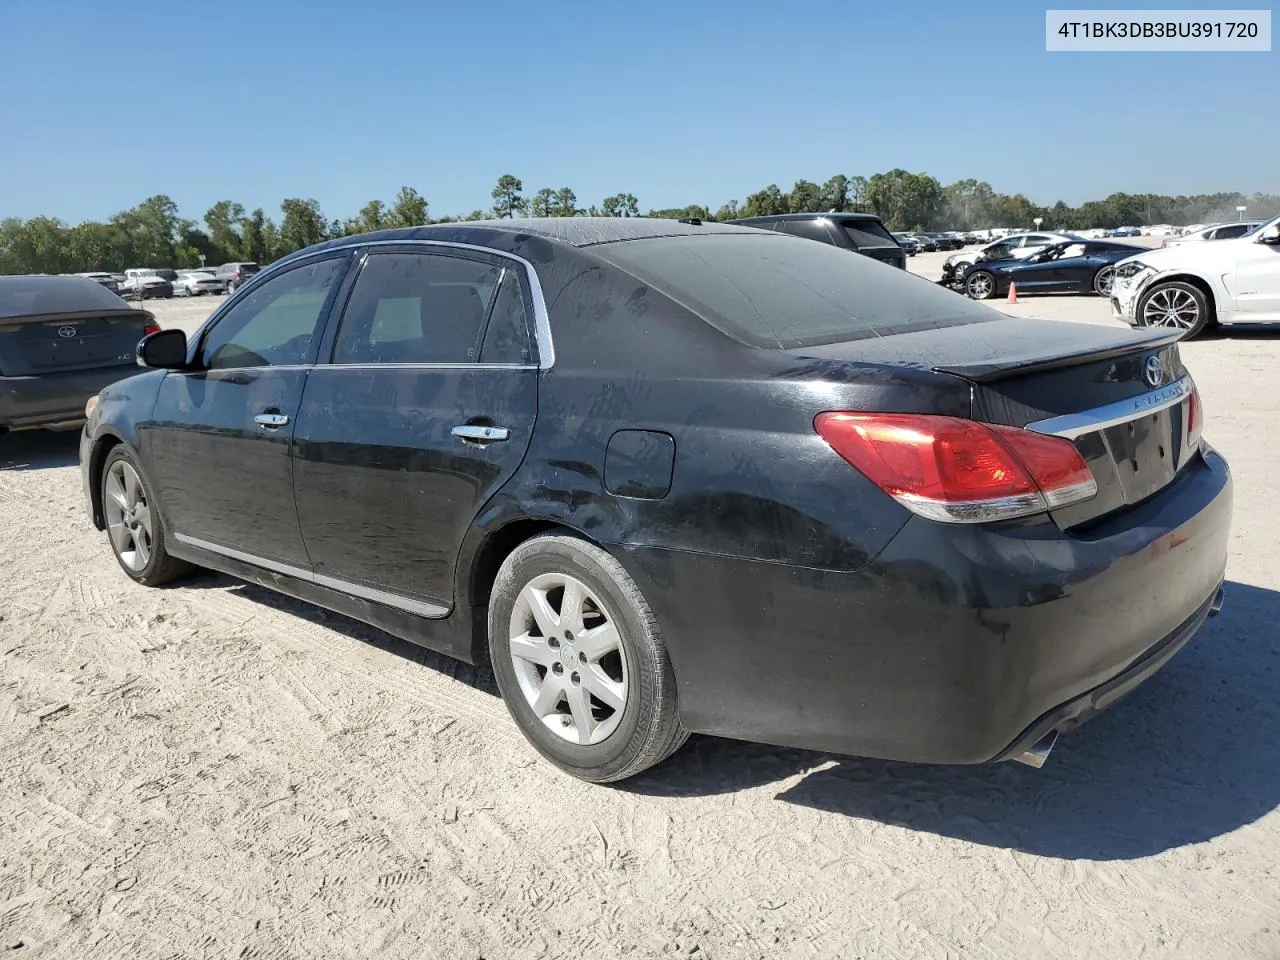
(102, 447)
(491, 548)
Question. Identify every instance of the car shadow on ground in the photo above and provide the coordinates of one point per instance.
(39, 449)
(1242, 331)
(1192, 754)
(478, 677)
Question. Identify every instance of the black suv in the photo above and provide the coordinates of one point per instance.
(860, 232)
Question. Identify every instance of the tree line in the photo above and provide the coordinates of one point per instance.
(154, 234)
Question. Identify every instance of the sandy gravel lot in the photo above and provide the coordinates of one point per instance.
(214, 771)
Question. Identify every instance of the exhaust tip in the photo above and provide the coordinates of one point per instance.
(1215, 605)
(1037, 755)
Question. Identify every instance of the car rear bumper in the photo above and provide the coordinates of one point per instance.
(53, 398)
(957, 644)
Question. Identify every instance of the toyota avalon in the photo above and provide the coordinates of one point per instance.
(684, 477)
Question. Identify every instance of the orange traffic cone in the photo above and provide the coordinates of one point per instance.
(1013, 293)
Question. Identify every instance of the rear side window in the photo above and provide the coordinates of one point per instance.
(506, 336)
(1231, 232)
(769, 291)
(416, 308)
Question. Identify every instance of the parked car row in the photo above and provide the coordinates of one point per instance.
(147, 283)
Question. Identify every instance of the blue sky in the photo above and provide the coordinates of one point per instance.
(106, 103)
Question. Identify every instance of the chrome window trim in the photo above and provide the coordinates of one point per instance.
(1073, 425)
(541, 318)
(419, 366)
(423, 608)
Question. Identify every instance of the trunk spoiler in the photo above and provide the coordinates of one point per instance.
(76, 315)
(1041, 350)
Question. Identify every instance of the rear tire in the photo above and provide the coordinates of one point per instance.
(134, 527)
(580, 661)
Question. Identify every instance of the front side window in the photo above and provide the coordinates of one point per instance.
(417, 308)
(275, 324)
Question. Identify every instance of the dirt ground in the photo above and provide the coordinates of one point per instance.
(213, 771)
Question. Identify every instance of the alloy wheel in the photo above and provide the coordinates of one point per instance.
(129, 522)
(979, 286)
(1171, 307)
(1105, 281)
(568, 658)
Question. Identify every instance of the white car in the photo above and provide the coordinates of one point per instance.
(1021, 245)
(195, 283)
(1217, 231)
(1198, 285)
(144, 283)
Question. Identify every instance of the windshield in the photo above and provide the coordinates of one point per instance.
(774, 291)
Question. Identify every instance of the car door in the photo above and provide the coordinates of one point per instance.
(424, 411)
(217, 446)
(1256, 283)
(1068, 268)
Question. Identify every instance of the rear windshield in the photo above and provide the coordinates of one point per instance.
(249, 268)
(774, 291)
(868, 233)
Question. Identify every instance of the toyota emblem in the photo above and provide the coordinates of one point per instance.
(1153, 371)
(66, 332)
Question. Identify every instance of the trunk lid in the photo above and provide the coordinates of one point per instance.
(1121, 396)
(31, 346)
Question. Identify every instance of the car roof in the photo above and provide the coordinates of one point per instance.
(33, 296)
(573, 231)
(774, 217)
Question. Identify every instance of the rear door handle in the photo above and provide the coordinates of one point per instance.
(271, 420)
(478, 434)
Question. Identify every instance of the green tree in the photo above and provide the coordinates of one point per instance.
(565, 204)
(507, 199)
(857, 193)
(409, 209)
(765, 203)
(542, 203)
(805, 197)
(730, 211)
(905, 201)
(224, 220)
(302, 225)
(621, 205)
(253, 230)
(835, 194)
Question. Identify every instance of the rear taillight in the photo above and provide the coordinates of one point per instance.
(956, 470)
(150, 328)
(1195, 418)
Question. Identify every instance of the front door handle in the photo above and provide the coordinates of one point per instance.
(479, 434)
(271, 420)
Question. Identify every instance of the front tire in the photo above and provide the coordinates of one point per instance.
(1103, 281)
(1176, 304)
(134, 526)
(980, 285)
(580, 660)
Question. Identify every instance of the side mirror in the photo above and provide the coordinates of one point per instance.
(166, 350)
(1271, 236)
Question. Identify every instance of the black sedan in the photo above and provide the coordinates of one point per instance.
(670, 477)
(61, 340)
(1074, 266)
